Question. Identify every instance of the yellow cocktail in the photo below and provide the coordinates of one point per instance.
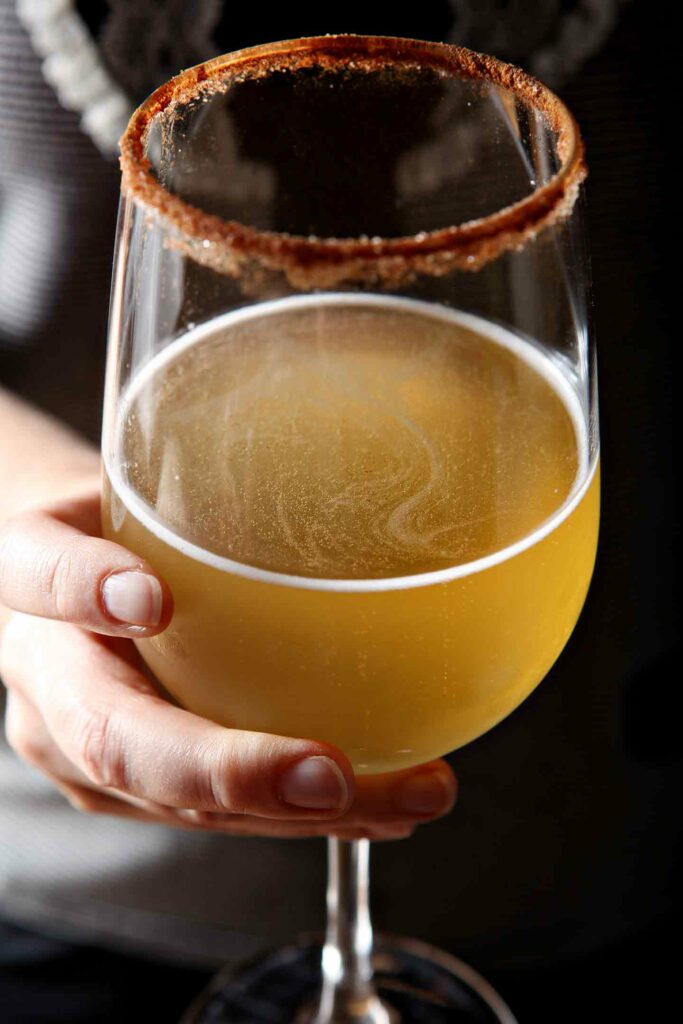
(378, 518)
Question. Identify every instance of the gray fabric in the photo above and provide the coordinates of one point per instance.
(105, 879)
(51, 182)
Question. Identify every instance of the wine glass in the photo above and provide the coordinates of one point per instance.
(350, 418)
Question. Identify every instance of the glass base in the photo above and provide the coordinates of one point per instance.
(417, 984)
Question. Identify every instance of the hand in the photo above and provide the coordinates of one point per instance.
(83, 709)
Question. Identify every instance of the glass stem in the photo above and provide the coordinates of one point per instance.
(348, 995)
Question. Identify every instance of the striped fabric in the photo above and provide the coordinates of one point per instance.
(118, 883)
(53, 184)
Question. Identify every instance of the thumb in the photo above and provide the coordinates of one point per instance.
(50, 568)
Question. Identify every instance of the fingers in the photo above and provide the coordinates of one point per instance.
(392, 804)
(48, 567)
(30, 739)
(417, 794)
(103, 714)
(91, 801)
(379, 812)
(83, 712)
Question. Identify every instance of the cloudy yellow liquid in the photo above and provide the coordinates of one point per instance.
(377, 518)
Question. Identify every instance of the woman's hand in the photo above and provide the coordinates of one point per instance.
(83, 709)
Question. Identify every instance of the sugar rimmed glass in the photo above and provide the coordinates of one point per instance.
(351, 418)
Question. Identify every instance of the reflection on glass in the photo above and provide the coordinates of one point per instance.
(351, 421)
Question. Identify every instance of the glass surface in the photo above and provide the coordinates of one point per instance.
(351, 413)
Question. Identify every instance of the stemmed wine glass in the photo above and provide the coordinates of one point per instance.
(351, 419)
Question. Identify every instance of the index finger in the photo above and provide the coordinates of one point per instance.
(51, 568)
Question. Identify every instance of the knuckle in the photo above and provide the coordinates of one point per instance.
(219, 784)
(58, 577)
(38, 574)
(99, 750)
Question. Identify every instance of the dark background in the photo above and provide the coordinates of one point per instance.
(625, 647)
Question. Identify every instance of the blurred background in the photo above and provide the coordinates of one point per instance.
(556, 872)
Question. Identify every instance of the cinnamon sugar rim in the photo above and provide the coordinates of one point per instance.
(469, 244)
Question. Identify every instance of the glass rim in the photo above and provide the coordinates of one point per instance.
(587, 447)
(224, 244)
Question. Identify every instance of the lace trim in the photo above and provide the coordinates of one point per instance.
(551, 40)
(146, 42)
(72, 66)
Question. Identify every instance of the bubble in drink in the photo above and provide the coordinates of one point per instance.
(377, 517)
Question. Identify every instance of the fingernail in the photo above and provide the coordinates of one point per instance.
(133, 597)
(316, 782)
(424, 793)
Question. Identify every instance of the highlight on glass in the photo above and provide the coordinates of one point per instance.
(351, 419)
